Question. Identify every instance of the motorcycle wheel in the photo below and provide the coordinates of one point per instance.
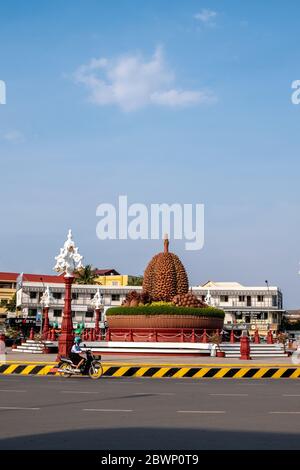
(64, 367)
(95, 371)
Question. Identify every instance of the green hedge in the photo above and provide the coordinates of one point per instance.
(166, 310)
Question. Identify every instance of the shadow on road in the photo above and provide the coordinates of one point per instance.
(139, 438)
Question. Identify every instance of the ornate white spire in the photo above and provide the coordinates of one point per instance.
(97, 300)
(208, 298)
(47, 298)
(68, 260)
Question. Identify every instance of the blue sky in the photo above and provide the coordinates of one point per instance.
(212, 122)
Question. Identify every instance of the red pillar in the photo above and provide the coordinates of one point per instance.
(97, 319)
(193, 339)
(232, 338)
(256, 337)
(66, 337)
(270, 339)
(245, 348)
(46, 323)
(31, 334)
(52, 334)
(204, 337)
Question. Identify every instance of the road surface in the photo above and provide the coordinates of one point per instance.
(113, 413)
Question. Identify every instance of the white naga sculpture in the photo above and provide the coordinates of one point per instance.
(68, 260)
(97, 300)
(47, 298)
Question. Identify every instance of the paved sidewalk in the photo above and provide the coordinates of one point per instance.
(45, 358)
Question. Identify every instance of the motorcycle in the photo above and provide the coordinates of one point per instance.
(91, 366)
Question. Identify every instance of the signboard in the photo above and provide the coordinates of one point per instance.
(19, 298)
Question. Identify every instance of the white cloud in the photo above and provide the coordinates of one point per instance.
(13, 136)
(206, 16)
(131, 83)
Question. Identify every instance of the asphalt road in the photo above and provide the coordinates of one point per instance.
(78, 413)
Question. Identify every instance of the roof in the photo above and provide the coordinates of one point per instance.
(12, 277)
(223, 285)
(106, 272)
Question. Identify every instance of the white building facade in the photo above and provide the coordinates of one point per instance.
(245, 307)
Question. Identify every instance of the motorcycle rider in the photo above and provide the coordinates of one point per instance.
(77, 353)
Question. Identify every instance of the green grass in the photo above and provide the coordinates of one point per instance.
(166, 310)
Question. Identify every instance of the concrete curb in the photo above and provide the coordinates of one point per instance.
(215, 371)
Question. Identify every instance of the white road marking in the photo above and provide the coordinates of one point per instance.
(109, 410)
(77, 391)
(17, 408)
(154, 393)
(201, 412)
(229, 394)
(284, 412)
(286, 395)
(9, 390)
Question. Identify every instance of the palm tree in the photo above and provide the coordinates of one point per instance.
(86, 275)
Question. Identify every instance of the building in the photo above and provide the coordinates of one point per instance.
(245, 307)
(110, 277)
(7, 291)
(29, 300)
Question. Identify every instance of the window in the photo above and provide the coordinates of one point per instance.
(262, 316)
(4, 285)
(57, 313)
(57, 295)
(89, 314)
(260, 298)
(274, 300)
(32, 312)
(115, 297)
(203, 298)
(115, 283)
(33, 295)
(74, 295)
(224, 298)
(241, 298)
(73, 314)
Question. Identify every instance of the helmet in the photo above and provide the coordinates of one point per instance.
(77, 340)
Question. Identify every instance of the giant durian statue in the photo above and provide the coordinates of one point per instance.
(165, 276)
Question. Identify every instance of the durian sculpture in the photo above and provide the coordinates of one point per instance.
(165, 276)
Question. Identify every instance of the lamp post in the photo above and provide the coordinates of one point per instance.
(46, 300)
(67, 262)
(97, 303)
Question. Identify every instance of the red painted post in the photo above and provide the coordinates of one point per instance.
(193, 335)
(270, 339)
(232, 338)
(52, 335)
(256, 337)
(65, 340)
(46, 323)
(245, 348)
(205, 337)
(31, 334)
(97, 319)
(181, 336)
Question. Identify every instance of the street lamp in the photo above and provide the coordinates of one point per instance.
(98, 304)
(46, 300)
(67, 262)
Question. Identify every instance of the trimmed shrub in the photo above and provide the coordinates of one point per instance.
(166, 310)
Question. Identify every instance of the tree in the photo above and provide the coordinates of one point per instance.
(86, 275)
(135, 280)
(9, 305)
